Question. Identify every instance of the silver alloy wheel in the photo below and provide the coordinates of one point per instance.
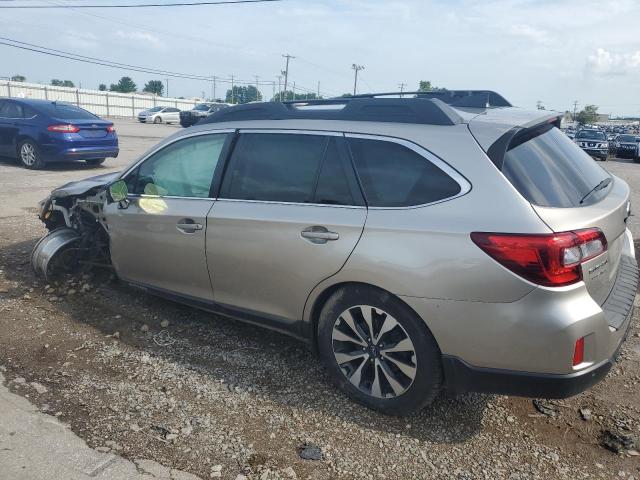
(374, 351)
(28, 154)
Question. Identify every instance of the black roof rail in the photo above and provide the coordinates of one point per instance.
(455, 98)
(428, 111)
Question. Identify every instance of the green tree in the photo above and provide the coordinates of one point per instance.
(154, 86)
(62, 83)
(243, 94)
(426, 86)
(124, 85)
(289, 95)
(18, 78)
(102, 87)
(589, 114)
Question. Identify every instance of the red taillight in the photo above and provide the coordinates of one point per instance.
(63, 128)
(578, 352)
(111, 129)
(549, 259)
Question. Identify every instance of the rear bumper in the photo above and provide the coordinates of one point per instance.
(57, 154)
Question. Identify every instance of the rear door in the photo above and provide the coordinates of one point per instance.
(288, 216)
(570, 191)
(158, 240)
(10, 117)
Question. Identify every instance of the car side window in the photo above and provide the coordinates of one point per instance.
(274, 167)
(28, 112)
(11, 110)
(333, 183)
(182, 169)
(393, 175)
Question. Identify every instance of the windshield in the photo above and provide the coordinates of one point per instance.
(627, 138)
(155, 109)
(64, 111)
(202, 107)
(591, 135)
(551, 171)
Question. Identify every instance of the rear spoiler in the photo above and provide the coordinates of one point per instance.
(517, 136)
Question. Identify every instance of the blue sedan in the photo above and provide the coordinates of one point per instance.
(38, 132)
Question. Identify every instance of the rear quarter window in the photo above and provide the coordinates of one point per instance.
(549, 170)
(393, 175)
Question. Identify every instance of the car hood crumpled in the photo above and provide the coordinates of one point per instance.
(83, 186)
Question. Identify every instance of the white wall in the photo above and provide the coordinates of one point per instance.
(105, 104)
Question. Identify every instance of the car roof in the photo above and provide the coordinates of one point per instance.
(35, 101)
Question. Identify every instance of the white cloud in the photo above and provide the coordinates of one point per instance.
(607, 63)
(146, 37)
(529, 33)
(80, 40)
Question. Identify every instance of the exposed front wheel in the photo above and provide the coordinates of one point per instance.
(378, 351)
(157, 120)
(29, 155)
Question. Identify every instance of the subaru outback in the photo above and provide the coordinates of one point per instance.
(447, 241)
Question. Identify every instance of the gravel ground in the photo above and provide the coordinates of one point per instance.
(146, 378)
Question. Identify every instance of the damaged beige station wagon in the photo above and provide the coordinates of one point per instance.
(437, 241)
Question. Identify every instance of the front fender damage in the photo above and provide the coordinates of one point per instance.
(78, 237)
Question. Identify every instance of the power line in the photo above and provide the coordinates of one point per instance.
(141, 5)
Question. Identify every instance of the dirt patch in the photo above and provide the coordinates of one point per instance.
(147, 378)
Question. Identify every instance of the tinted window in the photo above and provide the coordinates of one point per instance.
(28, 112)
(333, 185)
(274, 167)
(551, 171)
(11, 110)
(591, 135)
(393, 175)
(65, 111)
(183, 169)
(626, 138)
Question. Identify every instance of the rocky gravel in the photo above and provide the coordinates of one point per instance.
(145, 378)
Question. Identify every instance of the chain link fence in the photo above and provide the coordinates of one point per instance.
(104, 104)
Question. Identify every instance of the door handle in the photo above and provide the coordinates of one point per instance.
(319, 234)
(187, 225)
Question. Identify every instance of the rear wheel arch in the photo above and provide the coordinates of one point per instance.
(322, 298)
(21, 138)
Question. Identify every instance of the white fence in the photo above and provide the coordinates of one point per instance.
(109, 104)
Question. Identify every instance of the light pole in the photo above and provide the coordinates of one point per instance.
(286, 72)
(356, 69)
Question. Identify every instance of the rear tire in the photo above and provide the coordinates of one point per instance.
(157, 120)
(378, 351)
(29, 155)
(94, 162)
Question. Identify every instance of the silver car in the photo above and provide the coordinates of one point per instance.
(444, 242)
(160, 115)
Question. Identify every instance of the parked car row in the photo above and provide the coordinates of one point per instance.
(597, 143)
(186, 118)
(200, 111)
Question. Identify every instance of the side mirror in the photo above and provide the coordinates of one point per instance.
(118, 191)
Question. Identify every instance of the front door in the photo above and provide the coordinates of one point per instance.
(289, 215)
(158, 240)
(10, 116)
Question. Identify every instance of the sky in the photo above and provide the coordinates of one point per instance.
(549, 51)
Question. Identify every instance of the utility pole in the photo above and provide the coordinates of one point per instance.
(213, 89)
(402, 85)
(257, 91)
(356, 69)
(293, 91)
(273, 93)
(232, 93)
(318, 89)
(167, 79)
(575, 106)
(286, 71)
(279, 87)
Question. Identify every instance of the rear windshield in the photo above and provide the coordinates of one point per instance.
(65, 111)
(550, 170)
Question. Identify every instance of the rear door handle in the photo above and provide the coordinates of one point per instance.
(187, 225)
(319, 234)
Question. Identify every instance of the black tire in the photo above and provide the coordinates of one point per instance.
(94, 162)
(33, 159)
(427, 382)
(157, 120)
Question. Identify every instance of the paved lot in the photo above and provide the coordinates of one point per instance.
(138, 377)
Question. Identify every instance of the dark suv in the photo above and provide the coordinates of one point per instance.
(593, 142)
(626, 146)
(200, 111)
